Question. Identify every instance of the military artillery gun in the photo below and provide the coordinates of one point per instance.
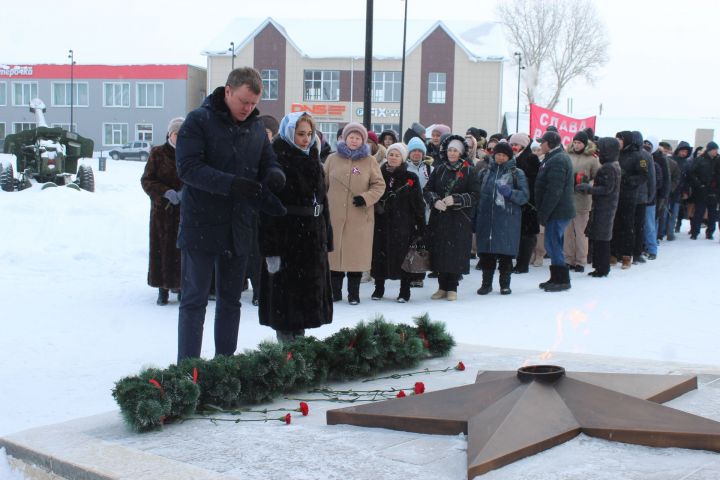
(47, 155)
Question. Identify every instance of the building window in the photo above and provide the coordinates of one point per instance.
(61, 94)
(2, 130)
(116, 95)
(381, 127)
(115, 133)
(150, 95)
(436, 88)
(144, 132)
(22, 126)
(329, 132)
(23, 92)
(322, 85)
(3, 94)
(65, 126)
(270, 84)
(386, 87)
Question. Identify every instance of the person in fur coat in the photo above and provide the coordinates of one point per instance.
(161, 182)
(295, 291)
(399, 220)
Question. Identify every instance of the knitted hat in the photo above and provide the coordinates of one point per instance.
(551, 128)
(373, 136)
(443, 129)
(418, 128)
(496, 136)
(478, 133)
(175, 124)
(400, 147)
(581, 136)
(416, 143)
(521, 139)
(552, 139)
(711, 146)
(503, 147)
(457, 145)
(356, 128)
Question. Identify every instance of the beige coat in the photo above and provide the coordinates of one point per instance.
(587, 163)
(353, 227)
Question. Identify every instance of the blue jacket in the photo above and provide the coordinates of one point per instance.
(497, 228)
(212, 149)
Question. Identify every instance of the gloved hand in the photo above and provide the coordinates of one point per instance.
(173, 196)
(448, 201)
(273, 264)
(504, 189)
(583, 188)
(275, 180)
(245, 188)
(359, 201)
(440, 205)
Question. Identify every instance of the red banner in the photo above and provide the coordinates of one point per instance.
(541, 118)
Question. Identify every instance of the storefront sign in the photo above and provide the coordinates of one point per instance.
(379, 112)
(319, 109)
(15, 71)
(541, 118)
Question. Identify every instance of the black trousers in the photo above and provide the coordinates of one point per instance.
(527, 245)
(488, 261)
(624, 229)
(639, 227)
(448, 281)
(601, 256)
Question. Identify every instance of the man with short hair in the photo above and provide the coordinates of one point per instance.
(227, 165)
(554, 200)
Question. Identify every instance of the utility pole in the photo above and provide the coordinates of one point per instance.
(232, 51)
(517, 111)
(71, 56)
(402, 73)
(367, 100)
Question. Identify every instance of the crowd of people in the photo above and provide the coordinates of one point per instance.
(236, 196)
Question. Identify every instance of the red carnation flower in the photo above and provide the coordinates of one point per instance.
(460, 174)
(288, 419)
(195, 375)
(304, 409)
(460, 366)
(419, 388)
(424, 339)
(410, 182)
(289, 356)
(157, 385)
(401, 394)
(466, 164)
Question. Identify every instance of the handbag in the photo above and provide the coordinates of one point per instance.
(417, 260)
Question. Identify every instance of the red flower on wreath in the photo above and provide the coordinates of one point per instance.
(424, 339)
(304, 409)
(289, 356)
(401, 394)
(410, 182)
(466, 164)
(195, 375)
(419, 388)
(288, 419)
(460, 366)
(157, 385)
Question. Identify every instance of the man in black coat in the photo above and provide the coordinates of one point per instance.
(703, 178)
(555, 202)
(227, 165)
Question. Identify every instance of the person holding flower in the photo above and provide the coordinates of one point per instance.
(399, 220)
(452, 191)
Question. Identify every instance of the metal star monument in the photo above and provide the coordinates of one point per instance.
(510, 415)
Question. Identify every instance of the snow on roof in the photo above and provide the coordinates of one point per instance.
(481, 40)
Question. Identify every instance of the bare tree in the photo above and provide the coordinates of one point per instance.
(560, 40)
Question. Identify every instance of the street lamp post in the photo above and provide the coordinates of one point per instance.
(367, 100)
(517, 112)
(402, 72)
(232, 51)
(71, 56)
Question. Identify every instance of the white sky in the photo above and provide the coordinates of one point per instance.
(663, 59)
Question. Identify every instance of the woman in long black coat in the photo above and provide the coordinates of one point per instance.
(529, 163)
(399, 219)
(295, 292)
(160, 181)
(605, 191)
(452, 193)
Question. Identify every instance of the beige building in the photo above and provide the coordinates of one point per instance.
(453, 70)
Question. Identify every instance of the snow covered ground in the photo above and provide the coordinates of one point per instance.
(77, 313)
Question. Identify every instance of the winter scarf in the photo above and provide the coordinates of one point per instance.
(345, 151)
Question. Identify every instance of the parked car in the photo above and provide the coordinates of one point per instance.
(139, 150)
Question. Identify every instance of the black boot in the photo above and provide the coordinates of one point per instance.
(487, 278)
(163, 296)
(336, 282)
(505, 283)
(379, 289)
(354, 287)
(404, 295)
(553, 278)
(562, 279)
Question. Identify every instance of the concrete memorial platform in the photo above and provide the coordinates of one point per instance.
(102, 447)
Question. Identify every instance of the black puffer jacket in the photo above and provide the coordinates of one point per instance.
(605, 191)
(634, 169)
(702, 176)
(529, 163)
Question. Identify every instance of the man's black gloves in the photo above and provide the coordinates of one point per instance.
(359, 201)
(275, 180)
(245, 188)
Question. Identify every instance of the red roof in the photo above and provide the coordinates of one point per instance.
(140, 72)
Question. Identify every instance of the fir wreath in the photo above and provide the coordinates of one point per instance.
(155, 397)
